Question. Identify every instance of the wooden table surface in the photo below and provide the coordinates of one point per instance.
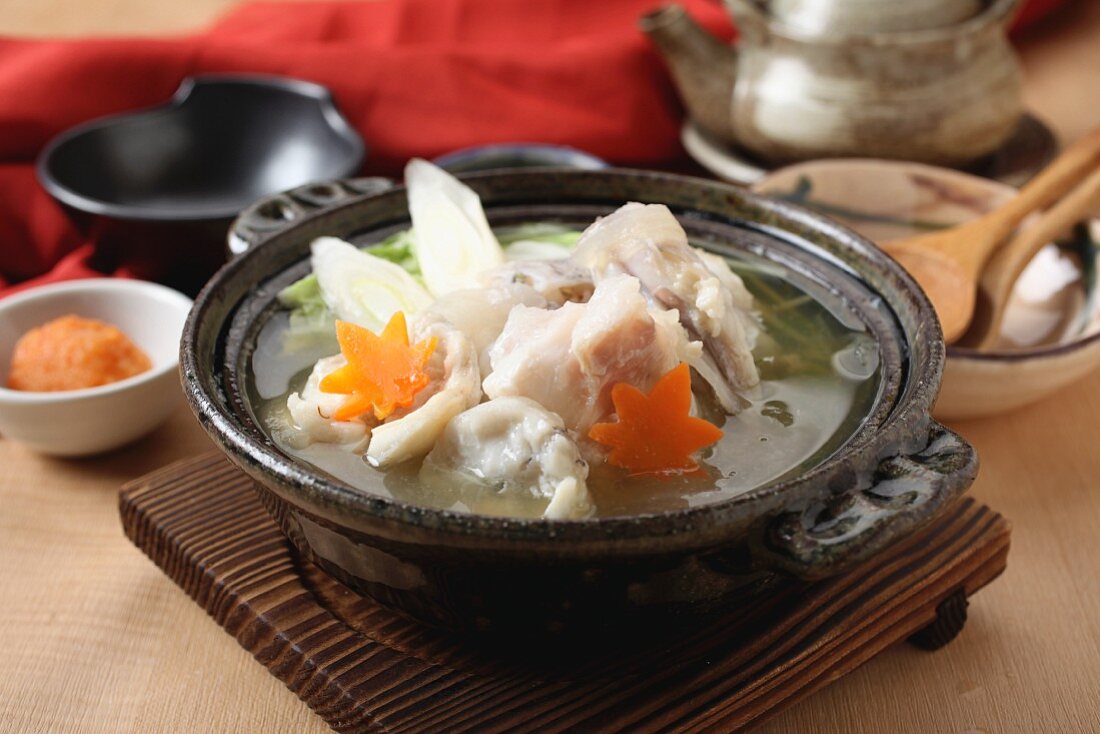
(97, 639)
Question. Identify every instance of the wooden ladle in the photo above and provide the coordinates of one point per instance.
(948, 263)
(1004, 269)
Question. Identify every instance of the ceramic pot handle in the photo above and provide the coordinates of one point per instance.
(274, 214)
(843, 529)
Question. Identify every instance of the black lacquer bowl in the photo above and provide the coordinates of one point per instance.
(173, 177)
(473, 572)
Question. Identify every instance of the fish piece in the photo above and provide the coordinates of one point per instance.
(312, 411)
(531, 358)
(567, 359)
(512, 445)
(480, 313)
(454, 386)
(731, 280)
(414, 434)
(742, 299)
(559, 281)
(647, 242)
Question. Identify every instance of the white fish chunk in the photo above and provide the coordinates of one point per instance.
(558, 281)
(512, 445)
(480, 313)
(311, 411)
(414, 434)
(568, 359)
(731, 280)
(647, 242)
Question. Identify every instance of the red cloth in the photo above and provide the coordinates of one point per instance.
(415, 77)
(1032, 11)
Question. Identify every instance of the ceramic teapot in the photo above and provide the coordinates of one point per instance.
(808, 84)
(870, 16)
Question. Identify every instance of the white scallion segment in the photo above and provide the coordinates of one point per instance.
(454, 242)
(535, 250)
(364, 289)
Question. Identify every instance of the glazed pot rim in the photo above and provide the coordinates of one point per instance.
(995, 12)
(1024, 354)
(911, 406)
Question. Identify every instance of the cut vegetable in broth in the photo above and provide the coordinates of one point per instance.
(455, 386)
(655, 433)
(544, 334)
(381, 372)
(453, 240)
(361, 288)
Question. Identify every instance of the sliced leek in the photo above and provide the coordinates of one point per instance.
(453, 240)
(364, 289)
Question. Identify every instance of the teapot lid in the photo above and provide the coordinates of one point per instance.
(829, 17)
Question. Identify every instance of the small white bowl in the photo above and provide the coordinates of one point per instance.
(1051, 332)
(98, 419)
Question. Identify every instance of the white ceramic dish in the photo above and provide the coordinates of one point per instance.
(84, 422)
(1051, 334)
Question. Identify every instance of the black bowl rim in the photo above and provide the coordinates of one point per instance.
(912, 408)
(92, 205)
(553, 156)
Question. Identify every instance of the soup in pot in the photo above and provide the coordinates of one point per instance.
(544, 371)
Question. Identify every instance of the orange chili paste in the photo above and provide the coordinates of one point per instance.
(71, 353)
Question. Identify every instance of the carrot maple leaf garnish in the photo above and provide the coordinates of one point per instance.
(655, 433)
(383, 372)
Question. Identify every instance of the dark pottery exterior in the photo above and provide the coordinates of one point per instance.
(174, 176)
(517, 155)
(474, 572)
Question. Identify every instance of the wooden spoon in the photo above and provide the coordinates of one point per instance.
(1005, 268)
(948, 263)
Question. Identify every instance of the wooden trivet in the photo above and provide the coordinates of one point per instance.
(363, 668)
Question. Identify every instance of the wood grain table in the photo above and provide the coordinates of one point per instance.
(96, 639)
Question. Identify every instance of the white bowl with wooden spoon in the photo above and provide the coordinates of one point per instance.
(1050, 334)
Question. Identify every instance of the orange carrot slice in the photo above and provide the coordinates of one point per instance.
(383, 372)
(655, 433)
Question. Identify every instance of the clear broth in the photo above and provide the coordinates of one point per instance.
(819, 378)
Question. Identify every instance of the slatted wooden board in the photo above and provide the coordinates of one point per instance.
(365, 669)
